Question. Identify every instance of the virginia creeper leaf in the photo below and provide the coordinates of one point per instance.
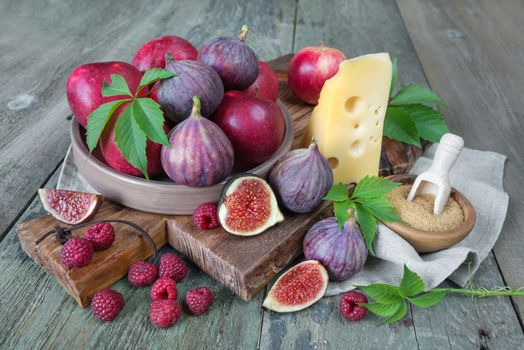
(152, 75)
(118, 87)
(150, 118)
(384, 310)
(368, 225)
(429, 122)
(393, 75)
(337, 193)
(399, 314)
(97, 121)
(131, 140)
(373, 186)
(382, 293)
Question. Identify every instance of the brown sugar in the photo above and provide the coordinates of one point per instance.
(419, 212)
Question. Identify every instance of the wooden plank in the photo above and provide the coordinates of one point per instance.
(356, 28)
(42, 49)
(471, 52)
(106, 267)
(35, 311)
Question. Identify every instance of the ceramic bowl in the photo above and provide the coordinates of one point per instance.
(158, 195)
(432, 241)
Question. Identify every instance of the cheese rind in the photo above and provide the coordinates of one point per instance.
(348, 120)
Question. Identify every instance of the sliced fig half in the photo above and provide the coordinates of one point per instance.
(299, 287)
(70, 207)
(248, 206)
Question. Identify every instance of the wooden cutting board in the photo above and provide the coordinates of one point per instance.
(244, 264)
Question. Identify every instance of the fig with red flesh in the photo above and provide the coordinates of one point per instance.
(193, 78)
(342, 252)
(248, 206)
(301, 178)
(266, 85)
(232, 59)
(298, 288)
(70, 207)
(84, 86)
(200, 153)
(152, 54)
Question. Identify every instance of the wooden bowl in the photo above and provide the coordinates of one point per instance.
(158, 195)
(432, 241)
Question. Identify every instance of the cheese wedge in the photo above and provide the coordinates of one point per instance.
(348, 120)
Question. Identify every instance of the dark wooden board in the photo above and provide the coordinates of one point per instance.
(107, 266)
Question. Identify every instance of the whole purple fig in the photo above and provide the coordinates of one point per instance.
(200, 153)
(301, 178)
(232, 59)
(342, 252)
(193, 78)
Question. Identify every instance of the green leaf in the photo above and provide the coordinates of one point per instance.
(368, 225)
(131, 140)
(381, 208)
(429, 299)
(373, 186)
(384, 310)
(340, 209)
(337, 193)
(152, 75)
(98, 120)
(413, 94)
(399, 126)
(118, 87)
(399, 314)
(150, 118)
(429, 122)
(382, 293)
(411, 283)
(393, 76)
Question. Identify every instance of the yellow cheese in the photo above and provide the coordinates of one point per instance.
(348, 120)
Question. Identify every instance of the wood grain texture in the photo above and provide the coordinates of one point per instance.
(472, 54)
(106, 267)
(42, 49)
(358, 27)
(243, 264)
(36, 312)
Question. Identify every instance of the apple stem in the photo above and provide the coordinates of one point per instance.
(322, 46)
(243, 32)
(195, 112)
(256, 90)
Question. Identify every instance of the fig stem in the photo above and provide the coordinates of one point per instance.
(351, 188)
(195, 112)
(243, 32)
(62, 232)
(169, 57)
(351, 216)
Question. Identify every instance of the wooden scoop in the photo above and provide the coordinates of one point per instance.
(436, 179)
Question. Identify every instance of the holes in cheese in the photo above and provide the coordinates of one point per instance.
(354, 104)
(333, 162)
(349, 117)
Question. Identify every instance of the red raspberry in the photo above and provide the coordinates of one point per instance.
(102, 235)
(76, 252)
(205, 216)
(349, 307)
(164, 313)
(142, 273)
(198, 300)
(164, 288)
(106, 304)
(173, 267)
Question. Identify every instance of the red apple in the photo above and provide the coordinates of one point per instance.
(266, 85)
(114, 157)
(310, 68)
(152, 54)
(255, 126)
(84, 86)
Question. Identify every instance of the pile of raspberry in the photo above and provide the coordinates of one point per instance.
(164, 310)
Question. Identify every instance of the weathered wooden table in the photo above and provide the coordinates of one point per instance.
(470, 52)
